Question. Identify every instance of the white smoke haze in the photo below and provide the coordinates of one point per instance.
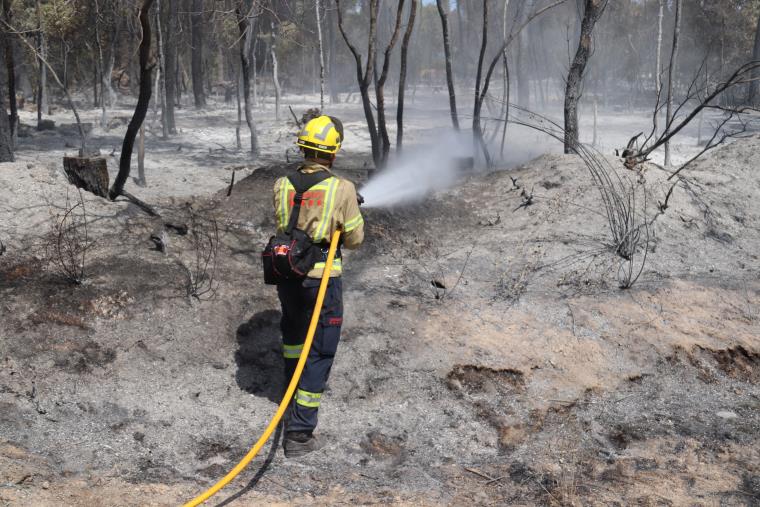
(420, 170)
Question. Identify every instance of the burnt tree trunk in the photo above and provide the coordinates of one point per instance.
(318, 13)
(522, 74)
(505, 83)
(170, 65)
(593, 11)
(754, 87)
(113, 48)
(443, 13)
(238, 125)
(332, 73)
(101, 69)
(245, 25)
(382, 124)
(364, 74)
(10, 64)
(6, 140)
(672, 77)
(141, 181)
(88, 173)
(254, 64)
(658, 67)
(275, 73)
(477, 130)
(161, 74)
(42, 97)
(143, 101)
(402, 76)
(196, 58)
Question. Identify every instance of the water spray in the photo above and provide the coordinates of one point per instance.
(419, 171)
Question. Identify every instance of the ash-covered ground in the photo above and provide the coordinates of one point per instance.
(488, 355)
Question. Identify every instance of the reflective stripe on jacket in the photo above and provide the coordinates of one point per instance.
(329, 205)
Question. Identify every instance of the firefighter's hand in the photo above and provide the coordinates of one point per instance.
(359, 198)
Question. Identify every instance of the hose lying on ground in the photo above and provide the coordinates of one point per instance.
(291, 387)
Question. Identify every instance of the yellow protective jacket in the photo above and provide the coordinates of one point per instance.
(329, 205)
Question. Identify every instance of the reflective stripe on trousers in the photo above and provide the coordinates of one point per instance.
(307, 399)
(292, 351)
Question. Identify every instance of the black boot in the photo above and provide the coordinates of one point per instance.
(299, 443)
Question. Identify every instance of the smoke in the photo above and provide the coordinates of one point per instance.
(419, 170)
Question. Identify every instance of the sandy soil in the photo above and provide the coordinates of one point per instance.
(530, 379)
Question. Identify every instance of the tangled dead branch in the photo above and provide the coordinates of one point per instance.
(68, 241)
(201, 269)
(701, 96)
(626, 221)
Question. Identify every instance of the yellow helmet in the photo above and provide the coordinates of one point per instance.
(323, 133)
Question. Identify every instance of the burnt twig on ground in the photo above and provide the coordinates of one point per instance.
(662, 206)
(295, 118)
(232, 184)
(527, 199)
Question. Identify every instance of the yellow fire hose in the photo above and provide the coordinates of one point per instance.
(291, 387)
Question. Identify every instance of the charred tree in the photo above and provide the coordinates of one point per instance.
(170, 65)
(6, 139)
(42, 97)
(505, 83)
(101, 67)
(160, 78)
(753, 98)
(382, 124)
(332, 71)
(443, 6)
(107, 79)
(246, 22)
(82, 134)
(671, 77)
(481, 85)
(196, 57)
(402, 75)
(275, 73)
(141, 109)
(10, 64)
(254, 63)
(658, 64)
(141, 181)
(522, 75)
(318, 9)
(477, 131)
(364, 73)
(592, 12)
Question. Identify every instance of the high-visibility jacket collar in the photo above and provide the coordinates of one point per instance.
(311, 166)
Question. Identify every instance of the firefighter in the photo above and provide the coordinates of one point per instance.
(328, 205)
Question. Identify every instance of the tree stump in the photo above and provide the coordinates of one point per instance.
(89, 173)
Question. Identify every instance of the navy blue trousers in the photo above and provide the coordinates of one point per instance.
(297, 299)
